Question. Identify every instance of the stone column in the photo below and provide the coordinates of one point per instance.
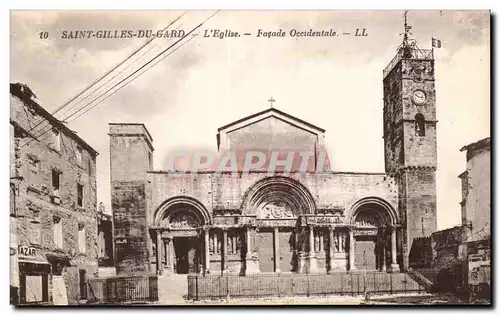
(207, 250)
(167, 253)
(249, 241)
(159, 246)
(311, 240)
(172, 254)
(351, 249)
(251, 264)
(277, 257)
(224, 251)
(313, 263)
(384, 267)
(330, 248)
(300, 251)
(394, 263)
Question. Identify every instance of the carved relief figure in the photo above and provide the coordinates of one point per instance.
(276, 210)
(183, 220)
(366, 220)
(211, 245)
(336, 242)
(229, 244)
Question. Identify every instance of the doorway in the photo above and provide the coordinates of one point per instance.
(365, 255)
(264, 246)
(187, 255)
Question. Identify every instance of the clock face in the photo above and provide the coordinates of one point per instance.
(419, 97)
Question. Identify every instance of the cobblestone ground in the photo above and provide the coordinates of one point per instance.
(413, 299)
(428, 299)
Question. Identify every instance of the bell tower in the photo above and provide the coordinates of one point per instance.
(410, 139)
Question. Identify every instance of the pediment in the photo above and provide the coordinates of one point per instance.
(268, 115)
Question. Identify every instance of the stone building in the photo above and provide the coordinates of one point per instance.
(476, 190)
(460, 249)
(476, 213)
(305, 220)
(105, 234)
(53, 205)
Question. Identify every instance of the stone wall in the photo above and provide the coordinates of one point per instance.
(227, 191)
(131, 157)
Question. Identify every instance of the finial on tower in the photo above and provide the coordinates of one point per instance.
(406, 47)
(407, 30)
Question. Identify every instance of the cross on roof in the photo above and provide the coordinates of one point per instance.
(271, 101)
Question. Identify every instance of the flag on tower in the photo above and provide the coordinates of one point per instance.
(436, 43)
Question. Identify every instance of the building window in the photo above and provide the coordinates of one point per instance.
(83, 284)
(419, 125)
(89, 168)
(79, 155)
(56, 182)
(150, 157)
(57, 232)
(79, 191)
(82, 242)
(56, 140)
(35, 233)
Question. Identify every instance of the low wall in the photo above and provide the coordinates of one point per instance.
(134, 289)
(202, 287)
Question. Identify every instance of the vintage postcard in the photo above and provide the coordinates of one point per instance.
(250, 157)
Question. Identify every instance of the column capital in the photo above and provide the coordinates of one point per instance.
(393, 227)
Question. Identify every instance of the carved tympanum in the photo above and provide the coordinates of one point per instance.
(276, 210)
(181, 220)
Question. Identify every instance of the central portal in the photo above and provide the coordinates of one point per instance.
(187, 255)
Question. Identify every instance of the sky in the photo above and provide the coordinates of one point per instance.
(334, 83)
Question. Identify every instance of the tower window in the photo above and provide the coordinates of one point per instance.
(419, 125)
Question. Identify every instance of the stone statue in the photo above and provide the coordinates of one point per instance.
(211, 245)
(336, 243)
(316, 243)
(218, 246)
(229, 245)
(343, 241)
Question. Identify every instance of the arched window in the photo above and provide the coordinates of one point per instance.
(419, 125)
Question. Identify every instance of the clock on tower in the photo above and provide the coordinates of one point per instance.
(410, 139)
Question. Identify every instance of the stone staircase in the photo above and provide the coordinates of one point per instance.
(172, 289)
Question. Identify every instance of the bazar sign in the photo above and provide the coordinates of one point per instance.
(27, 251)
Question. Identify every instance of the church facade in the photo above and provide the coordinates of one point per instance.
(300, 221)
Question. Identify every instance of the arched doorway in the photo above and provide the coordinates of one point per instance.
(373, 222)
(277, 203)
(179, 246)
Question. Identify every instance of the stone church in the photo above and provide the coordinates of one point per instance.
(252, 222)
